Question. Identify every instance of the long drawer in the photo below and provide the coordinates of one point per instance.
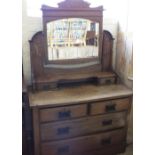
(110, 106)
(109, 150)
(84, 144)
(62, 113)
(79, 127)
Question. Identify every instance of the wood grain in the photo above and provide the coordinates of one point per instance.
(111, 150)
(78, 120)
(36, 131)
(110, 106)
(38, 43)
(55, 78)
(83, 144)
(62, 113)
(107, 49)
(77, 95)
(82, 126)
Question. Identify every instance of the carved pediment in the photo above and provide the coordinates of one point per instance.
(71, 5)
(74, 4)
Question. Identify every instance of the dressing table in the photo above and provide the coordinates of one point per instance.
(78, 105)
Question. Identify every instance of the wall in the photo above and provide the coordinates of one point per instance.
(124, 51)
(33, 24)
(124, 55)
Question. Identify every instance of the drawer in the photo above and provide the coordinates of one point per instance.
(83, 144)
(109, 106)
(83, 126)
(62, 113)
(107, 81)
(109, 150)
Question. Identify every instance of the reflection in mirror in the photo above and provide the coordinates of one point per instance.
(72, 38)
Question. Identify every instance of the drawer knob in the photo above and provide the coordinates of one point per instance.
(110, 108)
(106, 141)
(62, 150)
(107, 122)
(62, 131)
(64, 114)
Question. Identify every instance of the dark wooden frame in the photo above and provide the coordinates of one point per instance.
(27, 136)
(43, 70)
(72, 9)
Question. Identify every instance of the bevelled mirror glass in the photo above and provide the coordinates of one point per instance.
(72, 38)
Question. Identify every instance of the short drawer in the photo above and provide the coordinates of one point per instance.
(62, 113)
(107, 81)
(110, 106)
(83, 126)
(84, 144)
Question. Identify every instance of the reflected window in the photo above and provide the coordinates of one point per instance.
(72, 38)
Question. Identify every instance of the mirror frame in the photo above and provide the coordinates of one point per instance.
(72, 9)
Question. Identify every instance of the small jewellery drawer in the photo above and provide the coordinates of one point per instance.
(82, 126)
(84, 144)
(62, 113)
(107, 81)
(110, 106)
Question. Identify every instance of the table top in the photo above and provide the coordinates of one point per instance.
(76, 95)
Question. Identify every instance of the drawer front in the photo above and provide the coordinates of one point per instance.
(62, 113)
(80, 127)
(109, 150)
(107, 81)
(110, 106)
(84, 144)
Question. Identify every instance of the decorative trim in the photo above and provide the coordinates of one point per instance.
(73, 4)
(35, 35)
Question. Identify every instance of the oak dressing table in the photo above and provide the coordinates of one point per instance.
(78, 105)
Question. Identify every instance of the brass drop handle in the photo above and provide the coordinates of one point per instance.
(106, 141)
(64, 114)
(63, 131)
(107, 122)
(63, 149)
(111, 107)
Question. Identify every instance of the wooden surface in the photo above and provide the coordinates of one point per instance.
(77, 95)
(38, 43)
(83, 144)
(49, 132)
(63, 113)
(58, 81)
(89, 124)
(110, 106)
(36, 131)
(26, 121)
(83, 126)
(107, 49)
(38, 46)
(41, 73)
(64, 77)
(70, 9)
(24, 88)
